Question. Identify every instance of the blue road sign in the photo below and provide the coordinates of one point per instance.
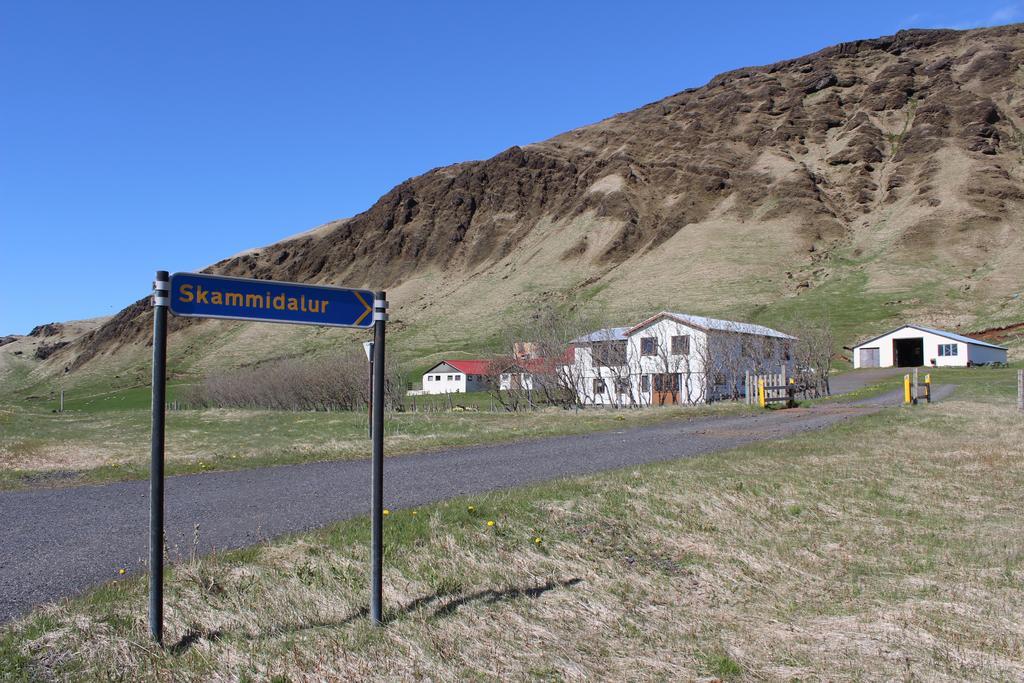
(215, 296)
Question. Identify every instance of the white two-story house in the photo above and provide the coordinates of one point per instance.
(673, 358)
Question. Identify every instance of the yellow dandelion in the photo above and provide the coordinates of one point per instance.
(471, 509)
(386, 511)
(120, 571)
(414, 512)
(537, 540)
(490, 522)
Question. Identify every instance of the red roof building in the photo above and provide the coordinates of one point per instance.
(456, 377)
(470, 367)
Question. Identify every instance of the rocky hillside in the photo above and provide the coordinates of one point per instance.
(868, 181)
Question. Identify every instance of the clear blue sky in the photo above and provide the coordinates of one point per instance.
(145, 135)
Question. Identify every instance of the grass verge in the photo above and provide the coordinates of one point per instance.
(886, 547)
(51, 449)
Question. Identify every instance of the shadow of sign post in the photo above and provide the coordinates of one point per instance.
(198, 295)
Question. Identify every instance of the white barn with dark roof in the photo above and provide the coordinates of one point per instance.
(913, 346)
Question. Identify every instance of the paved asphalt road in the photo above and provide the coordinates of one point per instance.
(60, 542)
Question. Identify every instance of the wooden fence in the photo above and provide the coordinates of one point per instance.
(1020, 390)
(777, 387)
(914, 390)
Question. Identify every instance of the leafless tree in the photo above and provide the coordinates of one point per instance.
(812, 356)
(548, 374)
(677, 360)
(733, 352)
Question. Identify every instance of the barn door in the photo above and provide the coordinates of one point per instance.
(869, 357)
(908, 353)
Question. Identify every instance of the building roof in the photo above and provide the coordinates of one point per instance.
(932, 330)
(714, 324)
(468, 367)
(607, 334)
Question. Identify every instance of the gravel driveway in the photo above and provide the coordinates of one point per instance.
(60, 542)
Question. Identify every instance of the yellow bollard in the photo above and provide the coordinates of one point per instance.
(906, 390)
(760, 392)
(928, 386)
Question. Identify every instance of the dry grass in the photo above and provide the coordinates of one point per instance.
(114, 445)
(887, 548)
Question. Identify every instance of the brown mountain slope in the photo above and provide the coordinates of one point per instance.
(876, 173)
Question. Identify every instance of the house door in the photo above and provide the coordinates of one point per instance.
(666, 390)
(869, 357)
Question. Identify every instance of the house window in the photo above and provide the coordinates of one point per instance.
(948, 349)
(437, 377)
(645, 382)
(458, 378)
(608, 353)
(430, 378)
(648, 346)
(622, 385)
(598, 386)
(449, 378)
(681, 345)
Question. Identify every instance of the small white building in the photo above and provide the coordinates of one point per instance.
(455, 377)
(913, 346)
(516, 377)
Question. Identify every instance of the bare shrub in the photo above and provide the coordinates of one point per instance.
(335, 381)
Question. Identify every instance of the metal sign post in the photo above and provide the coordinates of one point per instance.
(380, 316)
(156, 462)
(199, 295)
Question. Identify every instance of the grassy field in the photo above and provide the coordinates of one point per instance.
(106, 437)
(888, 547)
